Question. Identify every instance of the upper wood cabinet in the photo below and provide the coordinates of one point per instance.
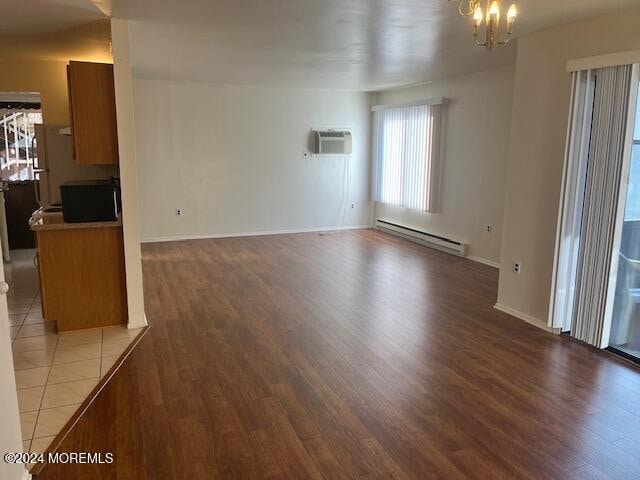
(93, 113)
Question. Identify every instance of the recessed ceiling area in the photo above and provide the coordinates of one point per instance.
(359, 45)
(85, 42)
(44, 16)
(54, 30)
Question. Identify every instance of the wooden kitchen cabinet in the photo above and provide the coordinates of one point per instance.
(93, 113)
(82, 277)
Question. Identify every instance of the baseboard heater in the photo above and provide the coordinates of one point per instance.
(423, 238)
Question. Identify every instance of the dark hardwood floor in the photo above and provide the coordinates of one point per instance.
(353, 355)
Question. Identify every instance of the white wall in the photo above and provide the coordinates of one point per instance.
(475, 160)
(536, 152)
(232, 158)
(123, 83)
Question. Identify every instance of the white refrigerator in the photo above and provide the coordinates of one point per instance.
(54, 149)
(56, 164)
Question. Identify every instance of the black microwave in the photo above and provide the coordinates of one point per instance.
(90, 200)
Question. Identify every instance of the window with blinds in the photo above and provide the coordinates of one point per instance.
(407, 155)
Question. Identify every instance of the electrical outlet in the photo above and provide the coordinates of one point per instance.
(353, 205)
(517, 267)
(178, 212)
(489, 228)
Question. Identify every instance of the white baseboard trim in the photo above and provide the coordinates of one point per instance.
(179, 238)
(527, 318)
(484, 261)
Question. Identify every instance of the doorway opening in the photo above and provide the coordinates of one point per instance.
(596, 285)
(18, 146)
(20, 115)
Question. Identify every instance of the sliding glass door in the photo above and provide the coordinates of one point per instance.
(596, 283)
(625, 322)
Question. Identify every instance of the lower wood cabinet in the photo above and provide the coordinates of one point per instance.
(82, 277)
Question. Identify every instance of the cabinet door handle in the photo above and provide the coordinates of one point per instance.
(4, 288)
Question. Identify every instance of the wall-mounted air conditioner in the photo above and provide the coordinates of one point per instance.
(332, 142)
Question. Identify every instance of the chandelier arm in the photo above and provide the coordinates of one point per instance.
(472, 5)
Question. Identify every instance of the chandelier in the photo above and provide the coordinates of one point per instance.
(493, 9)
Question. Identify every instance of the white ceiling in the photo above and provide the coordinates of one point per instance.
(356, 44)
(344, 44)
(53, 30)
(27, 17)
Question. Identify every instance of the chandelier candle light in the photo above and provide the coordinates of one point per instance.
(492, 40)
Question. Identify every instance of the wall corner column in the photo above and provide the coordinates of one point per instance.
(128, 171)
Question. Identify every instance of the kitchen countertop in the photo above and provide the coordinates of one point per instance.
(53, 221)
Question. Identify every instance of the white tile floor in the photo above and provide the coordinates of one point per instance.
(54, 372)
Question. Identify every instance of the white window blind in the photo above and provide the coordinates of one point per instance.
(591, 215)
(407, 155)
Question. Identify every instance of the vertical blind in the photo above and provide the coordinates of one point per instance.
(406, 149)
(593, 173)
(572, 199)
(602, 189)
